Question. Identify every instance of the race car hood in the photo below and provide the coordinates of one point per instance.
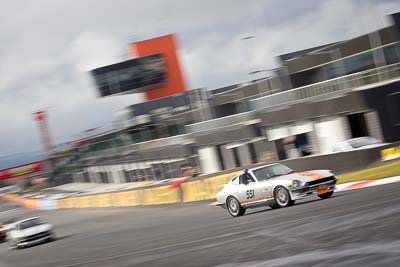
(33, 230)
(307, 176)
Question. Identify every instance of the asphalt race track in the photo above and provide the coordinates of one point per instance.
(353, 228)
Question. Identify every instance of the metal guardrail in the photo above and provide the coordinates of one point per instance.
(220, 122)
(341, 84)
(85, 154)
(127, 149)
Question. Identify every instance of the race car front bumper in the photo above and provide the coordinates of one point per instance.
(34, 242)
(323, 187)
(36, 239)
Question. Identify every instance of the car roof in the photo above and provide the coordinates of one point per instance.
(352, 139)
(263, 166)
(358, 138)
(27, 219)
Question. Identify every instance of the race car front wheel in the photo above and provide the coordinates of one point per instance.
(12, 244)
(234, 207)
(282, 198)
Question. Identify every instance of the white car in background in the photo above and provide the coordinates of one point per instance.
(29, 232)
(273, 185)
(356, 144)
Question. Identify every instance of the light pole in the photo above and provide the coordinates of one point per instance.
(258, 71)
(248, 52)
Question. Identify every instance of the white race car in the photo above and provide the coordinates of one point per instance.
(29, 232)
(273, 185)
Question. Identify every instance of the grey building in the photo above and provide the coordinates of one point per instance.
(317, 97)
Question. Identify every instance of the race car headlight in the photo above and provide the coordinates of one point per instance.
(297, 184)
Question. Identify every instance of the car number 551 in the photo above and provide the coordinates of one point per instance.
(250, 194)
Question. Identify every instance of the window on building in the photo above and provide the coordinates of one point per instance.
(127, 176)
(280, 149)
(104, 177)
(303, 145)
(144, 175)
(392, 54)
(226, 110)
(333, 70)
(136, 136)
(173, 130)
(86, 177)
(133, 175)
(154, 133)
(236, 158)
(253, 154)
(358, 125)
(258, 130)
(221, 157)
(157, 170)
(364, 61)
(139, 175)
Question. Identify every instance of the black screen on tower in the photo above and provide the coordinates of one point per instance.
(131, 76)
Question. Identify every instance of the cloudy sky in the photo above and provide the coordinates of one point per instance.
(47, 47)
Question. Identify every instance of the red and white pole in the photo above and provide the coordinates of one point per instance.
(41, 118)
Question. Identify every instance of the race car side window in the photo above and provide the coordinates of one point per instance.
(241, 179)
(246, 177)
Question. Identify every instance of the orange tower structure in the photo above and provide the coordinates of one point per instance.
(166, 46)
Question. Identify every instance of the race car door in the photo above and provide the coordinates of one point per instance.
(249, 191)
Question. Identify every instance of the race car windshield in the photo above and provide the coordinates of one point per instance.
(29, 223)
(268, 172)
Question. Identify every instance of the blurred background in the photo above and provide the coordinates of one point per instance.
(147, 91)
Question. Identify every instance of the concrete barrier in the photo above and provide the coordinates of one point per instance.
(390, 153)
(125, 199)
(206, 187)
(160, 195)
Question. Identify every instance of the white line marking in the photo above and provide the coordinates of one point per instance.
(7, 211)
(385, 181)
(346, 186)
(224, 235)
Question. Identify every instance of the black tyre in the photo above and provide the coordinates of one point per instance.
(282, 198)
(234, 207)
(326, 195)
(274, 206)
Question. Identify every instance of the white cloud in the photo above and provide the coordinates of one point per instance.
(93, 49)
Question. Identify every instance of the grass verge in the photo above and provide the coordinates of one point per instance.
(384, 171)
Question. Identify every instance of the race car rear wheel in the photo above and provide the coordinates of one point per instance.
(282, 198)
(326, 195)
(234, 207)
